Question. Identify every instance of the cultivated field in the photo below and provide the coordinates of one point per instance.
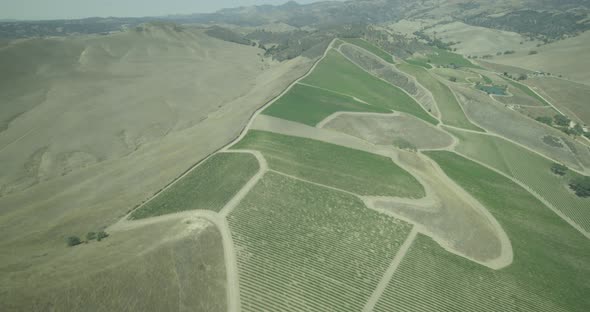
(310, 105)
(371, 48)
(208, 187)
(338, 74)
(450, 110)
(303, 247)
(529, 168)
(333, 165)
(391, 74)
(539, 279)
(503, 121)
(440, 57)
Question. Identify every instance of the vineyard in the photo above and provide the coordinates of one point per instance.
(529, 168)
(451, 111)
(497, 119)
(310, 105)
(306, 248)
(333, 165)
(431, 279)
(338, 74)
(371, 48)
(209, 187)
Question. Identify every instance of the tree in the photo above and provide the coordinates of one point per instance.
(73, 241)
(561, 120)
(453, 79)
(577, 130)
(533, 52)
(522, 77)
(90, 236)
(544, 119)
(581, 185)
(100, 235)
(558, 169)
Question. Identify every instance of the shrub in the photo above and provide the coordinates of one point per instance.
(581, 185)
(558, 169)
(522, 77)
(90, 236)
(453, 79)
(100, 235)
(533, 52)
(73, 241)
(544, 119)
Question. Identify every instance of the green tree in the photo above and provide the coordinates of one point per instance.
(581, 185)
(561, 120)
(544, 119)
(100, 235)
(73, 241)
(453, 79)
(559, 169)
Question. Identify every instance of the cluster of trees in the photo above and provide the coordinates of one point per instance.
(562, 123)
(75, 240)
(579, 184)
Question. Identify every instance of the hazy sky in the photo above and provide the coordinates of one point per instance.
(56, 9)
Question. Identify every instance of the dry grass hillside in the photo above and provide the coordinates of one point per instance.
(566, 57)
(175, 265)
(91, 126)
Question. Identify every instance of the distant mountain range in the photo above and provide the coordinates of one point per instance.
(569, 16)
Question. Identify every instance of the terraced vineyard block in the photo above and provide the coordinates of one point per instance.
(371, 48)
(209, 186)
(310, 105)
(333, 165)
(450, 109)
(549, 271)
(529, 168)
(302, 247)
(337, 73)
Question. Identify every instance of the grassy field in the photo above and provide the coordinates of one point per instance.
(307, 248)
(145, 269)
(441, 58)
(309, 105)
(569, 97)
(550, 257)
(209, 186)
(371, 48)
(529, 168)
(336, 73)
(451, 111)
(352, 170)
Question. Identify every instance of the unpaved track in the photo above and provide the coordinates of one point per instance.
(229, 207)
(401, 253)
